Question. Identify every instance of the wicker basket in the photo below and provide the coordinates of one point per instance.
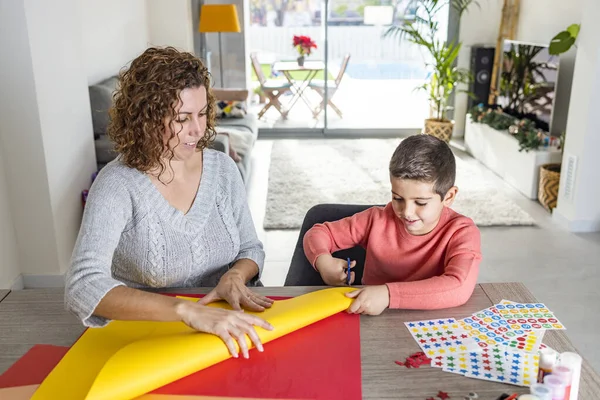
(548, 185)
(440, 129)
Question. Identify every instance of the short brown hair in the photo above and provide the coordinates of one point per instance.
(147, 93)
(425, 158)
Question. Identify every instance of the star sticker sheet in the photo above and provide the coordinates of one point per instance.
(500, 343)
(441, 337)
(489, 364)
(494, 364)
(522, 368)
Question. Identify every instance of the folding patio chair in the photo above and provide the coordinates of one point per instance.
(271, 88)
(332, 87)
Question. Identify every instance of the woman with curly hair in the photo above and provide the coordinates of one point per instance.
(167, 212)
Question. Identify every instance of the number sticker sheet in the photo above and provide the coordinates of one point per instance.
(528, 316)
(531, 342)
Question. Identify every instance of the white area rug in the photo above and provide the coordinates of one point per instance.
(308, 172)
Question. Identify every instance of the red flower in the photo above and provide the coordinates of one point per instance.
(304, 44)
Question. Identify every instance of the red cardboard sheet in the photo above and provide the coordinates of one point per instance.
(34, 366)
(320, 361)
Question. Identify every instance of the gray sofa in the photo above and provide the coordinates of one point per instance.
(101, 99)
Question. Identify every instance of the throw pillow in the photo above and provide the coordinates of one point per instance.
(232, 153)
(240, 141)
(231, 109)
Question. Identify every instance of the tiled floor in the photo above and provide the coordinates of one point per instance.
(560, 268)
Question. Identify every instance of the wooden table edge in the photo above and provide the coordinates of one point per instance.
(4, 293)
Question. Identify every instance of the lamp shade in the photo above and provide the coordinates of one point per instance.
(219, 18)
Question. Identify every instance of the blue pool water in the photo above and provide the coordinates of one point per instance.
(385, 70)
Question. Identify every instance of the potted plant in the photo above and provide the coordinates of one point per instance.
(304, 46)
(441, 60)
(550, 173)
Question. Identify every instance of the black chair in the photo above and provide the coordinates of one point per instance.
(301, 273)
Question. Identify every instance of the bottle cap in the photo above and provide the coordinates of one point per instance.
(542, 391)
(548, 358)
(564, 372)
(571, 360)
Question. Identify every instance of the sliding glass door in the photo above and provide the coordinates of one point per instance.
(375, 75)
(356, 81)
(280, 75)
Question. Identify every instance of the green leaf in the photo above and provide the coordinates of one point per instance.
(563, 41)
(574, 30)
(461, 5)
(561, 46)
(564, 35)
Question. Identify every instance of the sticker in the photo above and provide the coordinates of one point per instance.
(527, 314)
(442, 336)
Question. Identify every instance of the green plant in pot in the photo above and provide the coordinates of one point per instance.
(441, 60)
(550, 173)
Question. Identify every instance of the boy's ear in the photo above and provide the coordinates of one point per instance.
(450, 196)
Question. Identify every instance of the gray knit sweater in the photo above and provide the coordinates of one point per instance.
(131, 235)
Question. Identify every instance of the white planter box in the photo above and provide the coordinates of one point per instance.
(499, 151)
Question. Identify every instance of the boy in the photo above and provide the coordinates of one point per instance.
(420, 254)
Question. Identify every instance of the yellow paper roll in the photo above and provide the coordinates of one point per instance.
(126, 359)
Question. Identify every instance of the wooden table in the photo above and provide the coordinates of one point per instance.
(28, 317)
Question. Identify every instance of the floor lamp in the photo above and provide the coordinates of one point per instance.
(219, 18)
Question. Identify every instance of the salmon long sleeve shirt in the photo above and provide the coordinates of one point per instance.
(433, 271)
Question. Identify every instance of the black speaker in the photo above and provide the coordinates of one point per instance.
(482, 64)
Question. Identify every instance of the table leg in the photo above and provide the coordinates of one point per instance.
(299, 89)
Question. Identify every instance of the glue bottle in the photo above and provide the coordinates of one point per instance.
(547, 361)
(556, 384)
(566, 374)
(573, 361)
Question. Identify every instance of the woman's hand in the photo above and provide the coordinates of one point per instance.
(232, 288)
(230, 326)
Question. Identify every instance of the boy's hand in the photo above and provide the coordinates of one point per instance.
(370, 300)
(333, 270)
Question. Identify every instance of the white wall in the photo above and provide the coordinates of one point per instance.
(170, 24)
(113, 33)
(9, 264)
(539, 21)
(21, 142)
(45, 129)
(64, 110)
(581, 212)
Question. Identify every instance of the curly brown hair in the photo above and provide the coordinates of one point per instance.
(147, 94)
